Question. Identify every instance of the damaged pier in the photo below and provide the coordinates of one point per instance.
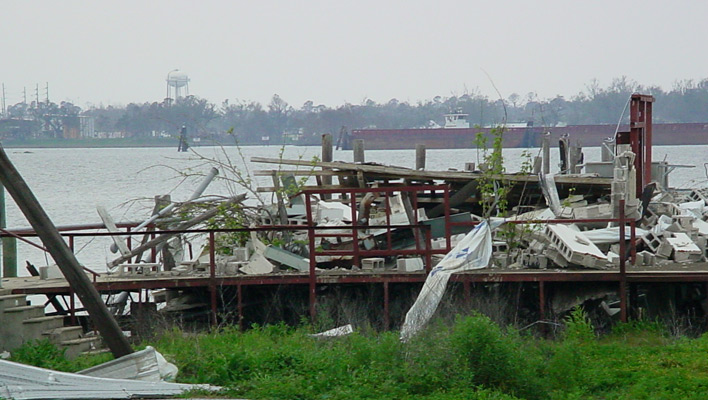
(609, 232)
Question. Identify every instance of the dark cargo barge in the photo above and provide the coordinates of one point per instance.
(520, 137)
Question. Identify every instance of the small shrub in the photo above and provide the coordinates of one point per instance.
(43, 354)
(493, 358)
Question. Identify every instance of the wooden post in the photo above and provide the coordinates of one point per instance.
(386, 316)
(9, 243)
(358, 146)
(65, 259)
(546, 147)
(419, 156)
(326, 157)
(622, 266)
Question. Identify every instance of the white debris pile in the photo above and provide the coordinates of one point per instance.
(673, 229)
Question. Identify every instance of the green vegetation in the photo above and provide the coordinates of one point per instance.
(471, 358)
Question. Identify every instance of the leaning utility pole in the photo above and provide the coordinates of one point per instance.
(63, 256)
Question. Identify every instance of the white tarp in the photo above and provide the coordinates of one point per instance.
(473, 252)
(24, 382)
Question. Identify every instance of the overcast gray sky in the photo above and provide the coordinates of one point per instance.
(333, 52)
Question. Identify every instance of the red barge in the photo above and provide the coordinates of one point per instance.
(452, 136)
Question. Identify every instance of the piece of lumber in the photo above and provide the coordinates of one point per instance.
(407, 173)
(185, 225)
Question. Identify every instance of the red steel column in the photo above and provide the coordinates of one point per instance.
(313, 259)
(622, 266)
(212, 276)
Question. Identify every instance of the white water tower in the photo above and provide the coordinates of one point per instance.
(177, 82)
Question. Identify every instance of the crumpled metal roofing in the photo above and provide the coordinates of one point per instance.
(24, 382)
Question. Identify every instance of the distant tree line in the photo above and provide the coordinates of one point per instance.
(250, 121)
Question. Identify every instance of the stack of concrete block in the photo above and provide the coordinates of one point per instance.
(684, 250)
(575, 247)
(699, 195)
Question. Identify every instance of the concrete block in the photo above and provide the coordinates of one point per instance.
(287, 258)
(701, 226)
(501, 260)
(372, 263)
(410, 264)
(684, 249)
(439, 243)
(574, 246)
(537, 246)
(554, 255)
(646, 258)
(685, 221)
(233, 267)
(652, 241)
(50, 272)
(499, 247)
(138, 269)
(699, 194)
(257, 265)
(664, 250)
(241, 253)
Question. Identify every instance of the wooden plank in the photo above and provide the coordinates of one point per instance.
(299, 172)
(407, 173)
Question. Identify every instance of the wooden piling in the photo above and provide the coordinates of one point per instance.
(327, 152)
(419, 156)
(9, 244)
(68, 264)
(358, 146)
(546, 147)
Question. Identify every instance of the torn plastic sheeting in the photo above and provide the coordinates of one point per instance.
(144, 365)
(24, 382)
(473, 252)
(611, 235)
(341, 331)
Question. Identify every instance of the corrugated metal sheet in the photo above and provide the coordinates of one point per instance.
(24, 382)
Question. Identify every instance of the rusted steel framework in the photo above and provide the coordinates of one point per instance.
(640, 137)
(212, 282)
(356, 253)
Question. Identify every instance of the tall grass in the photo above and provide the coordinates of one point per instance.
(469, 358)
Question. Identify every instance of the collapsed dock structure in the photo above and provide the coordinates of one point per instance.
(610, 234)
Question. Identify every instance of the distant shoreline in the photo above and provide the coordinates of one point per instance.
(106, 143)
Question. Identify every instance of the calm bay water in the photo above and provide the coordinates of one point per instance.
(70, 183)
